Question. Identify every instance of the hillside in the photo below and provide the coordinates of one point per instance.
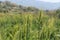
(38, 4)
(8, 6)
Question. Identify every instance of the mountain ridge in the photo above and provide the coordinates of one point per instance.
(8, 6)
(38, 4)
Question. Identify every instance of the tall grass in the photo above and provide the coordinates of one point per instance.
(28, 27)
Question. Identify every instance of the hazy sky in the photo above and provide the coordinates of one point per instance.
(53, 1)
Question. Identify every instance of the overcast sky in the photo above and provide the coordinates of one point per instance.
(53, 1)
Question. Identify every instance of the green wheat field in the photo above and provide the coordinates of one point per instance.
(28, 26)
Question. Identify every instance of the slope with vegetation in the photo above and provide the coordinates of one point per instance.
(7, 6)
